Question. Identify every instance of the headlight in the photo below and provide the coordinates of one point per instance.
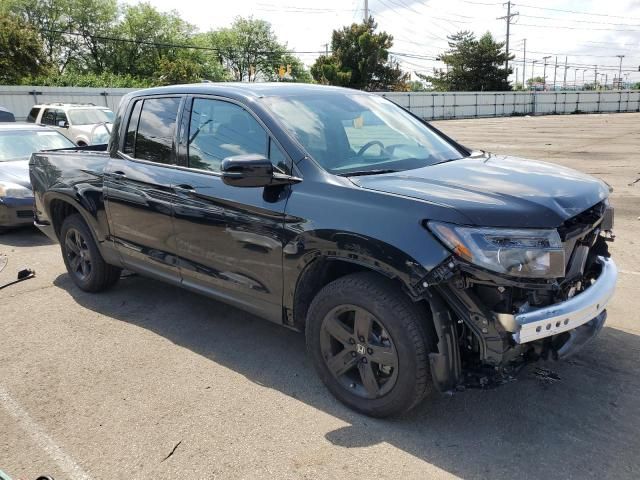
(530, 253)
(9, 189)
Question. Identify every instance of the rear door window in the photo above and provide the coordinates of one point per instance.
(154, 139)
(33, 115)
(49, 116)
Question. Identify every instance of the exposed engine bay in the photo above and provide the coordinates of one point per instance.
(498, 323)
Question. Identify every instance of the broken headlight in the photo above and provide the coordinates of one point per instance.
(529, 253)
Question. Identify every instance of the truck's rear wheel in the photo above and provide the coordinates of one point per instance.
(369, 345)
(83, 260)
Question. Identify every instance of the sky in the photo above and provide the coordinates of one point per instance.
(587, 32)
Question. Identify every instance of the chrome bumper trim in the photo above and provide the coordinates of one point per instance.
(561, 317)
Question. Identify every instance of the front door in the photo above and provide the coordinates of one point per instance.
(139, 189)
(229, 239)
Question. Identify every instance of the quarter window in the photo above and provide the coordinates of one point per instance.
(220, 129)
(156, 128)
(132, 126)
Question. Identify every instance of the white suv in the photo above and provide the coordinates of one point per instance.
(83, 124)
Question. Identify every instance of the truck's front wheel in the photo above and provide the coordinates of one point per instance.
(83, 260)
(369, 345)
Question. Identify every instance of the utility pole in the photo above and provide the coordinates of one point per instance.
(544, 72)
(564, 83)
(575, 79)
(606, 80)
(583, 72)
(620, 70)
(517, 75)
(508, 18)
(533, 65)
(326, 49)
(366, 10)
(595, 76)
(555, 69)
(524, 62)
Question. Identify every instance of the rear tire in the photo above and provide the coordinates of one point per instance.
(369, 345)
(83, 260)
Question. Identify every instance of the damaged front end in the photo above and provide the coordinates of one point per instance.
(545, 297)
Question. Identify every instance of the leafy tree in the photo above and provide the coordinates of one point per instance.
(360, 59)
(533, 81)
(52, 18)
(21, 51)
(472, 65)
(250, 50)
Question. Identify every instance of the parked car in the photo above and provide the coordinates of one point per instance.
(412, 263)
(78, 122)
(17, 142)
(6, 115)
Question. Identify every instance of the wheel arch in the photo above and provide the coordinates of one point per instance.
(320, 265)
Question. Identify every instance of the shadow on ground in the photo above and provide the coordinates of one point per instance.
(24, 237)
(584, 425)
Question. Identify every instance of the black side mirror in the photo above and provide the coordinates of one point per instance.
(252, 170)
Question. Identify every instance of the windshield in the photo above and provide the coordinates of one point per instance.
(20, 144)
(354, 133)
(89, 116)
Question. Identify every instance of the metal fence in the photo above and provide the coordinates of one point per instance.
(447, 105)
(430, 106)
(20, 99)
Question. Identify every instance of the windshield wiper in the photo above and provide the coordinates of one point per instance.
(359, 173)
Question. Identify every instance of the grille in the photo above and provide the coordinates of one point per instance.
(24, 214)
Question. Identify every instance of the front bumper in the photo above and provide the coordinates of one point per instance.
(15, 212)
(588, 307)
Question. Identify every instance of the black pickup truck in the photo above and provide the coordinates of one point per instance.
(412, 263)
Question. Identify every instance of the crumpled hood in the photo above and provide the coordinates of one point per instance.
(15, 171)
(496, 191)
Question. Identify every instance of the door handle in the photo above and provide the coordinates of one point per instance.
(184, 188)
(118, 173)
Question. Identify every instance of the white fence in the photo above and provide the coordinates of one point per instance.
(430, 106)
(445, 105)
(20, 99)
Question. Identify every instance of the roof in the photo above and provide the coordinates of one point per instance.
(24, 126)
(71, 105)
(246, 90)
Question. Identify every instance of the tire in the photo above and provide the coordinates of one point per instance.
(83, 260)
(395, 349)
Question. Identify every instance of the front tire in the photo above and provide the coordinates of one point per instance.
(369, 345)
(83, 260)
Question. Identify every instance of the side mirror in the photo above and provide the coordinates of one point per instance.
(63, 124)
(252, 171)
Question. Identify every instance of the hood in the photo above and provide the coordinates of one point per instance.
(15, 171)
(85, 130)
(496, 191)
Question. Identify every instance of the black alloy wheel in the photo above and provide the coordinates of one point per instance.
(78, 254)
(359, 351)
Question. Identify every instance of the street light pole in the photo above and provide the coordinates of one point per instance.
(620, 70)
(533, 65)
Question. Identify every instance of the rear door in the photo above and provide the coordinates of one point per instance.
(229, 239)
(139, 190)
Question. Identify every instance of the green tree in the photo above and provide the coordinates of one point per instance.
(21, 53)
(250, 50)
(533, 81)
(360, 59)
(472, 65)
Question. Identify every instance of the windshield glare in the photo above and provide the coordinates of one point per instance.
(347, 133)
(19, 145)
(89, 116)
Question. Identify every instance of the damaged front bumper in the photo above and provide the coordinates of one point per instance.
(586, 309)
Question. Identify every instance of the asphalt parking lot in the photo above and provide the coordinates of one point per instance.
(147, 381)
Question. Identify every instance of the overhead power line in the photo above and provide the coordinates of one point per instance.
(580, 21)
(173, 45)
(579, 28)
(578, 12)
